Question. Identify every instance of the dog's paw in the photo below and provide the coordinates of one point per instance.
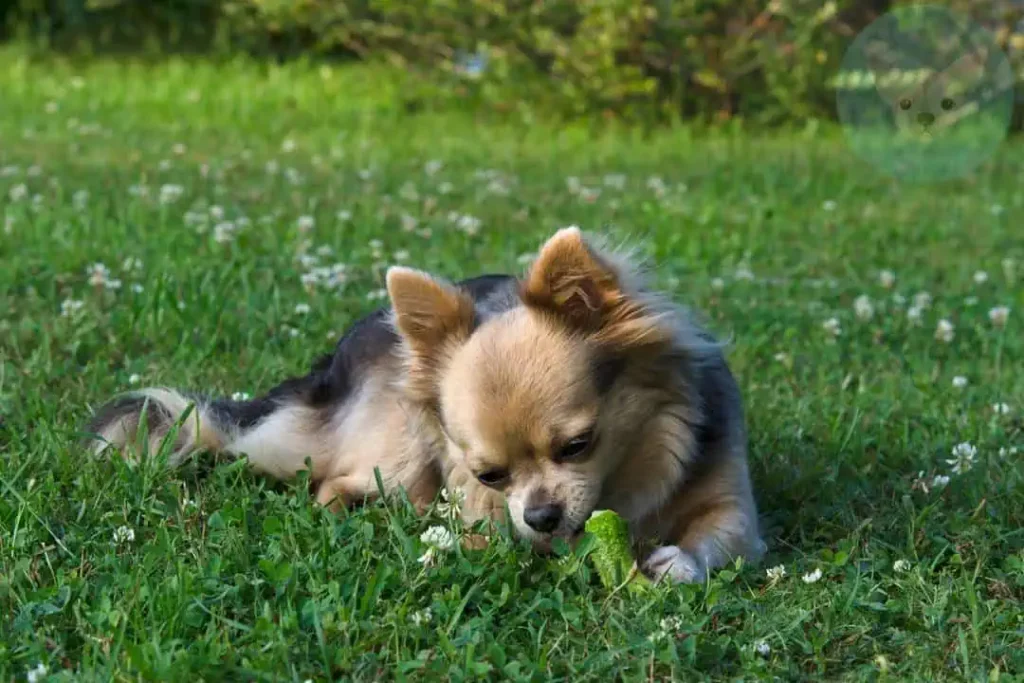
(674, 563)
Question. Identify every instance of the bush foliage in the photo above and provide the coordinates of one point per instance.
(708, 59)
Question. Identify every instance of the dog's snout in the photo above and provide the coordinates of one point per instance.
(543, 518)
(926, 118)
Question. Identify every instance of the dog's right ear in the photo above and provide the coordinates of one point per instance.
(582, 289)
(433, 318)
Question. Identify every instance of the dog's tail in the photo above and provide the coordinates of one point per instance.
(150, 419)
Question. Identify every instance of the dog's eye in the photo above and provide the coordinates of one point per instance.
(576, 448)
(906, 103)
(947, 103)
(492, 477)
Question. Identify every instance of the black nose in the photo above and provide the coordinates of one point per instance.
(926, 118)
(543, 518)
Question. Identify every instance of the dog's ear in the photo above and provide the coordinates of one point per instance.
(965, 72)
(433, 318)
(584, 290)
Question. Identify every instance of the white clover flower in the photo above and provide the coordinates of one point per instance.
(999, 315)
(899, 300)
(288, 146)
(901, 566)
(302, 309)
(69, 307)
(615, 181)
(922, 300)
(224, 232)
(305, 223)
(438, 540)
(980, 277)
(589, 194)
(812, 577)
(914, 314)
(123, 535)
(36, 674)
(1001, 408)
(171, 193)
(939, 481)
(656, 185)
(438, 537)
(421, 617)
(134, 379)
(832, 327)
(469, 224)
(717, 284)
(137, 288)
(829, 205)
(433, 167)
(762, 648)
(776, 573)
(963, 457)
(451, 506)
(98, 274)
(131, 263)
(217, 212)
(863, 308)
(344, 216)
(886, 278)
(959, 382)
(445, 188)
(80, 199)
(409, 223)
(944, 331)
(18, 192)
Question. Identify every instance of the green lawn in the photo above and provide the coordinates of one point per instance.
(213, 194)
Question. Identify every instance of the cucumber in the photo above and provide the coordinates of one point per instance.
(613, 554)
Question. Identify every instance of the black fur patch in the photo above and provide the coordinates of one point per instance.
(606, 371)
(333, 377)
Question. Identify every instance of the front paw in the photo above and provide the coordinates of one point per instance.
(674, 563)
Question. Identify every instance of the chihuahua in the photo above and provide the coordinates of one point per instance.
(543, 398)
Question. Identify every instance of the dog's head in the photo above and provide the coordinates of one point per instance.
(540, 402)
(924, 102)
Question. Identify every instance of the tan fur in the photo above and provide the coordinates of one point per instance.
(458, 398)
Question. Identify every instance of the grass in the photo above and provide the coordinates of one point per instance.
(230, 577)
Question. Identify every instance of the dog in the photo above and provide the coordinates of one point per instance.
(937, 99)
(543, 398)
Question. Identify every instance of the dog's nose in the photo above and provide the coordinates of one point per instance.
(926, 118)
(543, 518)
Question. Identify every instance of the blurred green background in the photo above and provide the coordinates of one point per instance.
(642, 61)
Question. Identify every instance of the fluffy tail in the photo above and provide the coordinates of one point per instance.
(195, 424)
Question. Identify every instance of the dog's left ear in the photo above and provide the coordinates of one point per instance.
(433, 317)
(584, 290)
